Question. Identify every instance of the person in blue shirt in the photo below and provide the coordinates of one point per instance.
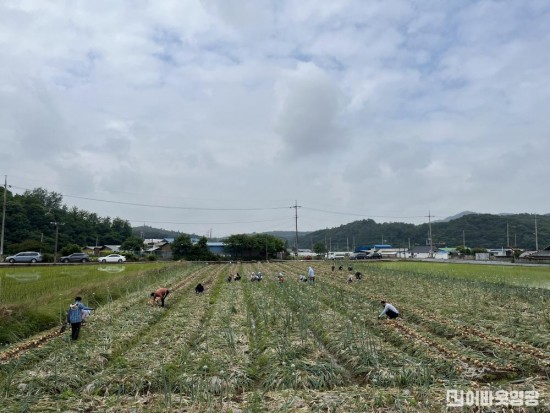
(74, 316)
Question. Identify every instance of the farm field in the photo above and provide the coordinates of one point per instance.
(519, 275)
(35, 297)
(288, 347)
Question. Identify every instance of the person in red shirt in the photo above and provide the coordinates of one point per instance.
(160, 294)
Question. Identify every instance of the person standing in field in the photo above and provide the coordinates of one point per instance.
(389, 310)
(74, 316)
(311, 275)
(160, 294)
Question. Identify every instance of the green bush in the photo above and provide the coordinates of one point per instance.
(70, 249)
(151, 257)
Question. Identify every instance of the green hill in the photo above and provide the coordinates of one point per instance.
(478, 230)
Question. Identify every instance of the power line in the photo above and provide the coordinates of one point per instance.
(205, 223)
(365, 215)
(160, 206)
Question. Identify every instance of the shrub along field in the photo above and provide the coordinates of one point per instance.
(270, 346)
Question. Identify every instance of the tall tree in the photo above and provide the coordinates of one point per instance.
(181, 247)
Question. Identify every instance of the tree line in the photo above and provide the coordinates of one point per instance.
(33, 218)
(474, 230)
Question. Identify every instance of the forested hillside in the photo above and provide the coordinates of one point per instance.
(477, 230)
(146, 231)
(32, 218)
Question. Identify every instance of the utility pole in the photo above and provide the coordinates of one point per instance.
(463, 239)
(507, 236)
(430, 233)
(536, 235)
(57, 224)
(56, 238)
(296, 206)
(3, 216)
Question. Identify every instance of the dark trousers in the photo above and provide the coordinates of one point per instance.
(392, 314)
(75, 330)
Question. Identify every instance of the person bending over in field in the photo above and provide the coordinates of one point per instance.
(340, 268)
(358, 275)
(199, 289)
(389, 310)
(237, 277)
(160, 295)
(350, 279)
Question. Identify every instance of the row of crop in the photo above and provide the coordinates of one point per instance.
(363, 347)
(288, 356)
(521, 357)
(408, 339)
(504, 310)
(64, 367)
(201, 363)
(215, 368)
(477, 356)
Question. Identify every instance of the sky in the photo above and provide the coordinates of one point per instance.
(218, 117)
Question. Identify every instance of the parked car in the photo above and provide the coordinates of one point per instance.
(373, 256)
(112, 258)
(358, 256)
(27, 256)
(76, 257)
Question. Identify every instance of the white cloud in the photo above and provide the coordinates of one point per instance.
(378, 108)
(307, 116)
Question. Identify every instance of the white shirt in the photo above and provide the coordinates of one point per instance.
(310, 272)
(387, 307)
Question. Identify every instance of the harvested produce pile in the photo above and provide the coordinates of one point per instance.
(288, 346)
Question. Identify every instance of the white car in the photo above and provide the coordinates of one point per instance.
(112, 258)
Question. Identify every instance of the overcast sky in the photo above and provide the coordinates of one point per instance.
(215, 116)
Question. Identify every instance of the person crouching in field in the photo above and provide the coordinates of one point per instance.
(74, 316)
(199, 289)
(389, 310)
(160, 295)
